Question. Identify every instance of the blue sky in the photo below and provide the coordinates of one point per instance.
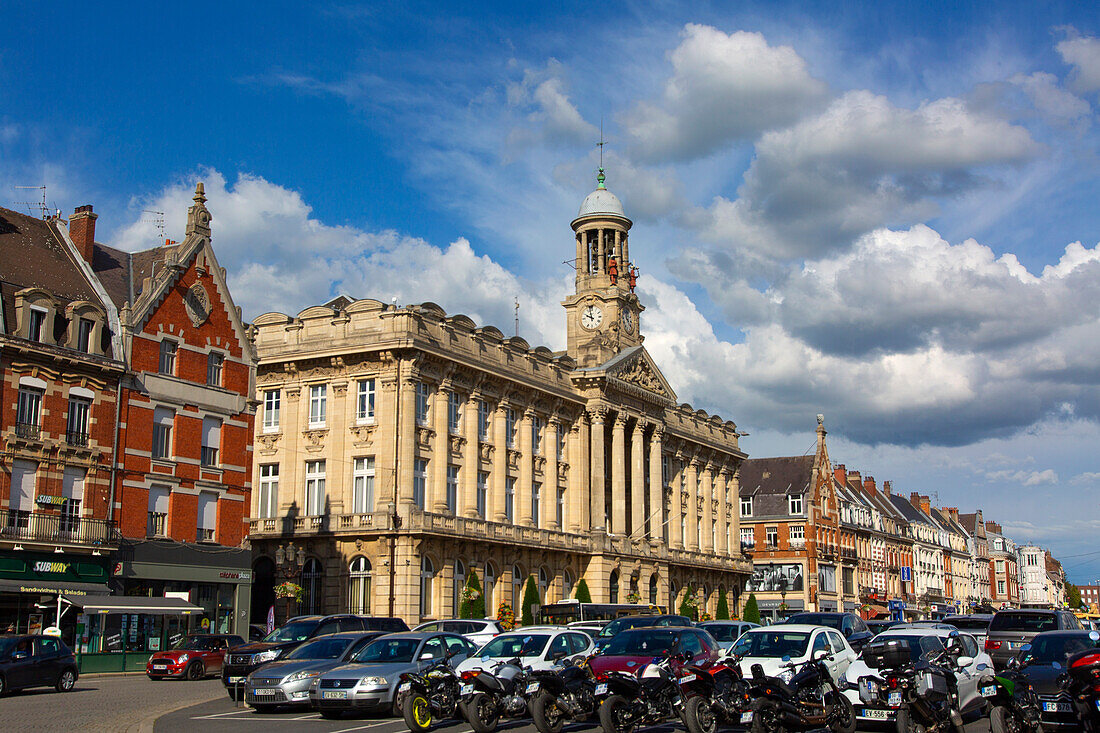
(884, 212)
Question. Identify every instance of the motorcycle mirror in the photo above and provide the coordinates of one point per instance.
(786, 657)
(983, 667)
(1055, 665)
(964, 661)
(954, 634)
(1026, 648)
(1094, 635)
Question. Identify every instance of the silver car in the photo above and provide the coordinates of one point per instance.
(368, 681)
(287, 681)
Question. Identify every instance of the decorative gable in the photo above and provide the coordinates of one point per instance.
(636, 367)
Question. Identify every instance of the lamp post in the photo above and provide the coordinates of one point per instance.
(288, 563)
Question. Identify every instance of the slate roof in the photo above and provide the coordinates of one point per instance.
(119, 270)
(771, 480)
(908, 511)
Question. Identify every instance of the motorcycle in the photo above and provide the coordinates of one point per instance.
(1082, 681)
(809, 700)
(487, 696)
(564, 694)
(657, 692)
(1015, 708)
(924, 692)
(431, 694)
(729, 693)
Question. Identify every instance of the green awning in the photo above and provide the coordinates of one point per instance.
(135, 604)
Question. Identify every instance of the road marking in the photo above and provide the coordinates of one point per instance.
(364, 727)
(222, 715)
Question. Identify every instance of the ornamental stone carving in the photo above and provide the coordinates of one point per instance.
(424, 436)
(640, 373)
(268, 443)
(314, 440)
(362, 435)
(457, 443)
(513, 459)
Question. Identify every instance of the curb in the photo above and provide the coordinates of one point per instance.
(146, 725)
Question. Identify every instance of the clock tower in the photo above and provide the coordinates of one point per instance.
(602, 316)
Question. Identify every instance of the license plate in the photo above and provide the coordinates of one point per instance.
(334, 694)
(601, 689)
(872, 714)
(236, 680)
(466, 690)
(532, 688)
(746, 717)
(404, 686)
(894, 700)
(1057, 707)
(263, 691)
(989, 691)
(686, 678)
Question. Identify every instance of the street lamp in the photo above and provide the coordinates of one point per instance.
(289, 565)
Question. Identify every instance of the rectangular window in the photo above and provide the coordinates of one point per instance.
(510, 427)
(21, 501)
(484, 413)
(37, 324)
(423, 395)
(747, 538)
(771, 536)
(84, 329)
(746, 506)
(167, 357)
(208, 516)
(561, 441)
(364, 405)
(76, 427)
(272, 400)
(158, 512)
(268, 505)
(509, 499)
(211, 440)
(163, 419)
(420, 481)
(452, 489)
(362, 499)
(536, 435)
(794, 503)
(72, 489)
(214, 362)
(1000, 587)
(28, 413)
(560, 513)
(454, 413)
(315, 488)
(797, 534)
(482, 490)
(536, 495)
(318, 405)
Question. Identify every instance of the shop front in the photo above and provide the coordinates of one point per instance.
(32, 582)
(118, 633)
(776, 610)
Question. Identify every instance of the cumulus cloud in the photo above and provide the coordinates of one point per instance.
(1026, 478)
(552, 117)
(723, 88)
(1050, 99)
(1083, 54)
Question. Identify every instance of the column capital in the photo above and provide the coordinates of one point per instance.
(597, 414)
(658, 431)
(639, 428)
(620, 420)
(529, 413)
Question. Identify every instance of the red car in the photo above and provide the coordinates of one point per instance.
(630, 650)
(194, 657)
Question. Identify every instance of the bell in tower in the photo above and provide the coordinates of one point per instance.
(603, 312)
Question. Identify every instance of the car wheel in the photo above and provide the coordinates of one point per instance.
(3, 685)
(65, 680)
(195, 671)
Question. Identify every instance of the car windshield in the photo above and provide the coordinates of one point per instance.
(193, 642)
(641, 643)
(320, 649)
(967, 623)
(296, 631)
(515, 645)
(920, 645)
(627, 622)
(833, 621)
(388, 650)
(721, 632)
(1038, 622)
(772, 644)
(6, 645)
(1056, 648)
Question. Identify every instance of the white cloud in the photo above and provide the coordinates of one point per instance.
(1083, 54)
(1049, 98)
(551, 116)
(1025, 478)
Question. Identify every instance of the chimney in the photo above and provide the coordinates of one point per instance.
(82, 230)
(887, 488)
(840, 473)
(854, 478)
(869, 484)
(921, 502)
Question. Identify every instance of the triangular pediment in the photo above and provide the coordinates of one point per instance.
(632, 370)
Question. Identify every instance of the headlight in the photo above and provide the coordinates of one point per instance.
(786, 675)
(267, 656)
(374, 682)
(181, 658)
(305, 674)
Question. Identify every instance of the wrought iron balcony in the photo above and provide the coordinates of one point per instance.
(28, 431)
(75, 439)
(60, 528)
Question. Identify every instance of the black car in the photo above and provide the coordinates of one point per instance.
(850, 625)
(243, 660)
(1038, 665)
(36, 661)
(638, 621)
(878, 625)
(1012, 628)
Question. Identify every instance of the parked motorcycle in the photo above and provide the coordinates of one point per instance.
(729, 693)
(810, 700)
(924, 692)
(565, 694)
(429, 695)
(486, 696)
(659, 691)
(1082, 681)
(1015, 706)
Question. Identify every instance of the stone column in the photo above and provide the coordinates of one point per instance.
(526, 483)
(723, 548)
(656, 487)
(495, 500)
(550, 485)
(407, 436)
(691, 488)
(578, 502)
(618, 475)
(732, 488)
(706, 495)
(436, 500)
(291, 426)
(637, 482)
(597, 481)
(675, 506)
(467, 480)
(336, 483)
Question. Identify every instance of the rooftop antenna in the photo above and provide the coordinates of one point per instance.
(516, 302)
(43, 209)
(157, 220)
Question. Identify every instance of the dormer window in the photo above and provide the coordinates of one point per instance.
(746, 506)
(167, 357)
(214, 361)
(85, 328)
(794, 503)
(37, 323)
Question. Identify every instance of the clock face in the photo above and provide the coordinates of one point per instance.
(591, 317)
(627, 318)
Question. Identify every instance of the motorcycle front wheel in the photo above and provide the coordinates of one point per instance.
(417, 712)
(842, 715)
(615, 715)
(765, 718)
(482, 713)
(699, 716)
(547, 716)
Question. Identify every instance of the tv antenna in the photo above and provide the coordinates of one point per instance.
(43, 209)
(601, 143)
(157, 220)
(516, 302)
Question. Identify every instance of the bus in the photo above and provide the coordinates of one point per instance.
(566, 612)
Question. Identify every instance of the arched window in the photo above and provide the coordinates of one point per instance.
(359, 586)
(427, 573)
(457, 584)
(490, 586)
(673, 590)
(544, 584)
(517, 589)
(566, 585)
(613, 587)
(653, 582)
(312, 577)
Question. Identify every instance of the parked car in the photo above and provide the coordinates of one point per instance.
(257, 632)
(478, 631)
(592, 628)
(538, 647)
(1012, 628)
(922, 640)
(369, 679)
(627, 650)
(772, 647)
(193, 657)
(244, 660)
(1037, 664)
(975, 624)
(637, 621)
(727, 632)
(878, 625)
(853, 628)
(36, 661)
(287, 681)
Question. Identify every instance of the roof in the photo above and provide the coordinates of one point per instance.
(908, 511)
(770, 480)
(789, 627)
(601, 201)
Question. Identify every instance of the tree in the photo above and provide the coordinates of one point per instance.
(1073, 596)
(581, 593)
(722, 613)
(752, 610)
(687, 603)
(530, 598)
(473, 600)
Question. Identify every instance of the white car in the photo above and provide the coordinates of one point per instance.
(538, 647)
(775, 647)
(479, 631)
(923, 640)
(727, 632)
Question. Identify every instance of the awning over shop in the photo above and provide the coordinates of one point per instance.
(135, 604)
(76, 590)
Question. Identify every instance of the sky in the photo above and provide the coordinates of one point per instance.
(881, 212)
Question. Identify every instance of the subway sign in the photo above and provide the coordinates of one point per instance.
(44, 566)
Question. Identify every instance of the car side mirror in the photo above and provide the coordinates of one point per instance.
(821, 654)
(18, 656)
(559, 654)
(964, 661)
(426, 656)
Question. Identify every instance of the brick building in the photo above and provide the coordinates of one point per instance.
(1004, 573)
